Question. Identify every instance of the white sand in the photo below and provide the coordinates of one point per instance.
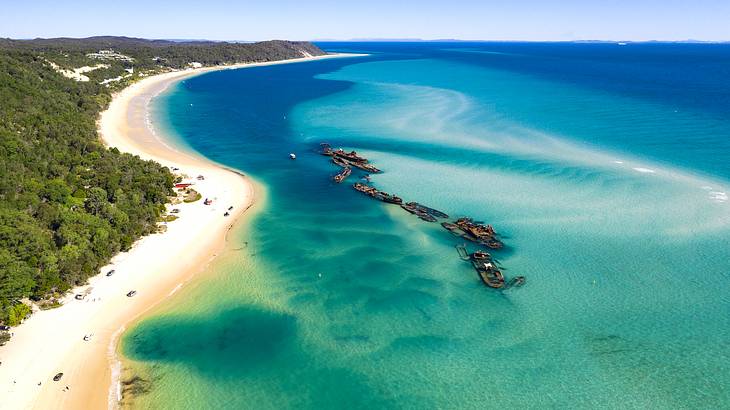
(52, 341)
(77, 73)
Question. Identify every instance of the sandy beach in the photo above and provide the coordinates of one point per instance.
(52, 341)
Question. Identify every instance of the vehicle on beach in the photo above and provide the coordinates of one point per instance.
(57, 377)
(111, 272)
(82, 296)
(131, 293)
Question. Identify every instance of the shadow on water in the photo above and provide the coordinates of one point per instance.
(238, 340)
(248, 345)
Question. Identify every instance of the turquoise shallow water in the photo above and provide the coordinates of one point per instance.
(605, 169)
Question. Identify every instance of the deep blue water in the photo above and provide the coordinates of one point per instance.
(604, 167)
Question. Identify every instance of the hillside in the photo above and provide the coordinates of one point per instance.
(67, 203)
(117, 61)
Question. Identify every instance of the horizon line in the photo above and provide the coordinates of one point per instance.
(387, 39)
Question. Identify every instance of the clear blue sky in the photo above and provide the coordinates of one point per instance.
(317, 19)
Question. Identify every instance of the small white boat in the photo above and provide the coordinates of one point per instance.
(293, 156)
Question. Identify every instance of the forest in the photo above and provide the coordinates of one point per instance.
(67, 202)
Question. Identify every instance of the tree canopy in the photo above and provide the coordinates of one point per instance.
(67, 203)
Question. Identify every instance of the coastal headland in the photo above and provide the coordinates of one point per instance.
(79, 338)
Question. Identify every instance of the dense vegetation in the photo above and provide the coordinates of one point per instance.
(176, 54)
(67, 203)
(155, 55)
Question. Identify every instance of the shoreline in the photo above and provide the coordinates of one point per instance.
(156, 266)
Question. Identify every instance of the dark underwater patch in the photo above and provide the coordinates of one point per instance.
(235, 341)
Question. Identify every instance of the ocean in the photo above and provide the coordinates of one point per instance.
(605, 169)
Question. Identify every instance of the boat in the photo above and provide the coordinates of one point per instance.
(379, 195)
(350, 156)
(391, 199)
(341, 162)
(489, 274)
(366, 167)
(416, 208)
(131, 293)
(361, 165)
(454, 229)
(481, 255)
(409, 207)
(342, 175)
(110, 273)
(344, 159)
(475, 232)
(436, 212)
(326, 149)
(365, 189)
(413, 208)
(57, 377)
(463, 253)
(426, 217)
(479, 230)
(517, 281)
(293, 156)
